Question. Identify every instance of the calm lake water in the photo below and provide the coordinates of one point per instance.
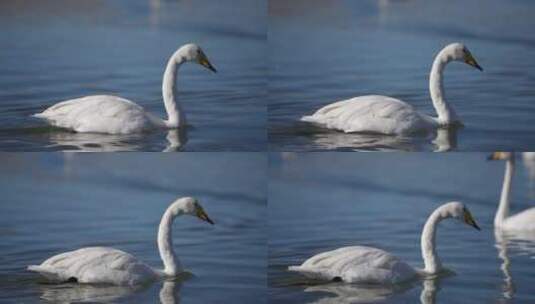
(322, 201)
(57, 50)
(53, 203)
(325, 51)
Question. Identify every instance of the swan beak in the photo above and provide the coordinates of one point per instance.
(203, 216)
(203, 60)
(468, 219)
(470, 60)
(497, 156)
(492, 156)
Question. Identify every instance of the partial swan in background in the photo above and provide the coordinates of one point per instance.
(116, 115)
(111, 266)
(529, 164)
(387, 115)
(367, 265)
(524, 220)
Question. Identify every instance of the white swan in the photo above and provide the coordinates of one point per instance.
(367, 265)
(387, 115)
(524, 220)
(112, 266)
(116, 115)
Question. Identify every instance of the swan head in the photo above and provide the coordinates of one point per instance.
(189, 206)
(459, 52)
(460, 212)
(500, 156)
(194, 53)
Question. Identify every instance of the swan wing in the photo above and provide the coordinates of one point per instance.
(99, 114)
(95, 265)
(524, 220)
(356, 264)
(370, 114)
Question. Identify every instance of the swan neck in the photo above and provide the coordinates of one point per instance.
(175, 116)
(171, 263)
(446, 114)
(431, 260)
(503, 207)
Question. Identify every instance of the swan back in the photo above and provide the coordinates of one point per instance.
(371, 114)
(356, 264)
(99, 114)
(95, 265)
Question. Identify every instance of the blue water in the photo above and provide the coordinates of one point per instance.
(57, 50)
(325, 51)
(53, 203)
(322, 201)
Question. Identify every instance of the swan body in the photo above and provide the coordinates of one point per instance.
(101, 114)
(115, 115)
(524, 220)
(372, 114)
(368, 265)
(104, 265)
(96, 265)
(356, 264)
(387, 115)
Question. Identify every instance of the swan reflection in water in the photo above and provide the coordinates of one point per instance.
(443, 139)
(353, 294)
(522, 242)
(69, 293)
(95, 142)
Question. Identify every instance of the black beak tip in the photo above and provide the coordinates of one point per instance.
(479, 68)
(477, 227)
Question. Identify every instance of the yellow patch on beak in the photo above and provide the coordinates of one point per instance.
(470, 60)
(468, 219)
(203, 60)
(498, 156)
(203, 216)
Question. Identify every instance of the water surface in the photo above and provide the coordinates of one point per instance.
(325, 51)
(60, 50)
(322, 201)
(52, 203)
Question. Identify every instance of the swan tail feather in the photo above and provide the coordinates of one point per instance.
(308, 118)
(47, 272)
(294, 268)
